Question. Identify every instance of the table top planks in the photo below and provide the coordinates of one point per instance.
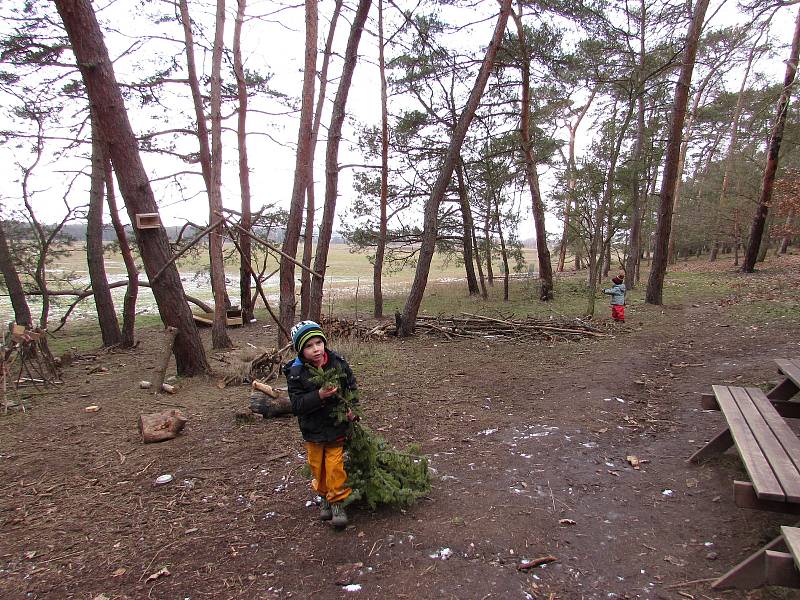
(791, 536)
(768, 448)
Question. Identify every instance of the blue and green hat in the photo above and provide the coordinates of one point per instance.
(304, 331)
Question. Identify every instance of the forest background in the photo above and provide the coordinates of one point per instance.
(606, 131)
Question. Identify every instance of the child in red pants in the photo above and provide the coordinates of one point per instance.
(617, 293)
(323, 432)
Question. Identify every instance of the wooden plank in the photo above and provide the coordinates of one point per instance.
(751, 572)
(744, 496)
(202, 320)
(791, 368)
(708, 402)
(764, 480)
(781, 569)
(792, 537)
(783, 391)
(721, 442)
(777, 442)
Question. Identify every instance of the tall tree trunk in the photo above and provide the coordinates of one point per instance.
(377, 290)
(205, 154)
(22, 312)
(430, 227)
(308, 240)
(599, 241)
(219, 330)
(301, 174)
(503, 251)
(572, 182)
(332, 156)
(787, 238)
(732, 146)
(245, 258)
(106, 313)
(542, 251)
(104, 95)
(132, 290)
(487, 245)
(466, 238)
(760, 217)
(634, 242)
(476, 251)
(637, 207)
(658, 269)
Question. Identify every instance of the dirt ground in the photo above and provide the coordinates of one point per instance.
(528, 447)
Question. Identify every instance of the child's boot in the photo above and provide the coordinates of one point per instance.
(339, 515)
(325, 512)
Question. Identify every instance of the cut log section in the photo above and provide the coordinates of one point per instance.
(158, 427)
(268, 407)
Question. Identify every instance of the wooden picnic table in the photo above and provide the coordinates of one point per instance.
(770, 452)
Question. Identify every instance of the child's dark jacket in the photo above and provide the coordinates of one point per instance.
(316, 417)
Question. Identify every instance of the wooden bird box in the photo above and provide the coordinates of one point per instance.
(148, 221)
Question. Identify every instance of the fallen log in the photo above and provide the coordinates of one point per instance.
(268, 407)
(158, 427)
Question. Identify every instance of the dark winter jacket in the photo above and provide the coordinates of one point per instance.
(617, 293)
(316, 417)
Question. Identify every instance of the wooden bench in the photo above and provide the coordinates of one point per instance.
(766, 444)
(770, 452)
(777, 563)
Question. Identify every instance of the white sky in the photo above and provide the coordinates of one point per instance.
(274, 44)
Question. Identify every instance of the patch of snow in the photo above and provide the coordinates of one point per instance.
(442, 554)
(353, 587)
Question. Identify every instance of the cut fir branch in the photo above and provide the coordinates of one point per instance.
(376, 472)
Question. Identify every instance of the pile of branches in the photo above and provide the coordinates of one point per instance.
(339, 328)
(468, 325)
(250, 364)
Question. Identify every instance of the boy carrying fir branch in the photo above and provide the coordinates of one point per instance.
(317, 408)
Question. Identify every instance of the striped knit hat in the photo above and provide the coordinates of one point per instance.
(304, 331)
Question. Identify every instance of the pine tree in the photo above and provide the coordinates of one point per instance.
(376, 472)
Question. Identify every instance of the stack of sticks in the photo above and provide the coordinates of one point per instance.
(467, 325)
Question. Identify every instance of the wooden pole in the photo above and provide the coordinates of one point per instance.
(183, 250)
(166, 352)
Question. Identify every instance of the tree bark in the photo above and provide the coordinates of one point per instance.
(301, 173)
(572, 183)
(106, 313)
(245, 246)
(658, 268)
(542, 251)
(503, 251)
(308, 241)
(430, 227)
(332, 156)
(132, 291)
(219, 330)
(732, 144)
(105, 97)
(466, 238)
(22, 312)
(377, 291)
(760, 217)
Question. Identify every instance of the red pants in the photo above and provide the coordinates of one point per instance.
(618, 312)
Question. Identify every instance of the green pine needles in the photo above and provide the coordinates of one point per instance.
(377, 473)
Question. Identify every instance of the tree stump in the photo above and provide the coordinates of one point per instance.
(269, 407)
(158, 427)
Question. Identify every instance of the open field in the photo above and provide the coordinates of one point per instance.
(347, 273)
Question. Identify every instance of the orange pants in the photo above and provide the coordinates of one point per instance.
(327, 469)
